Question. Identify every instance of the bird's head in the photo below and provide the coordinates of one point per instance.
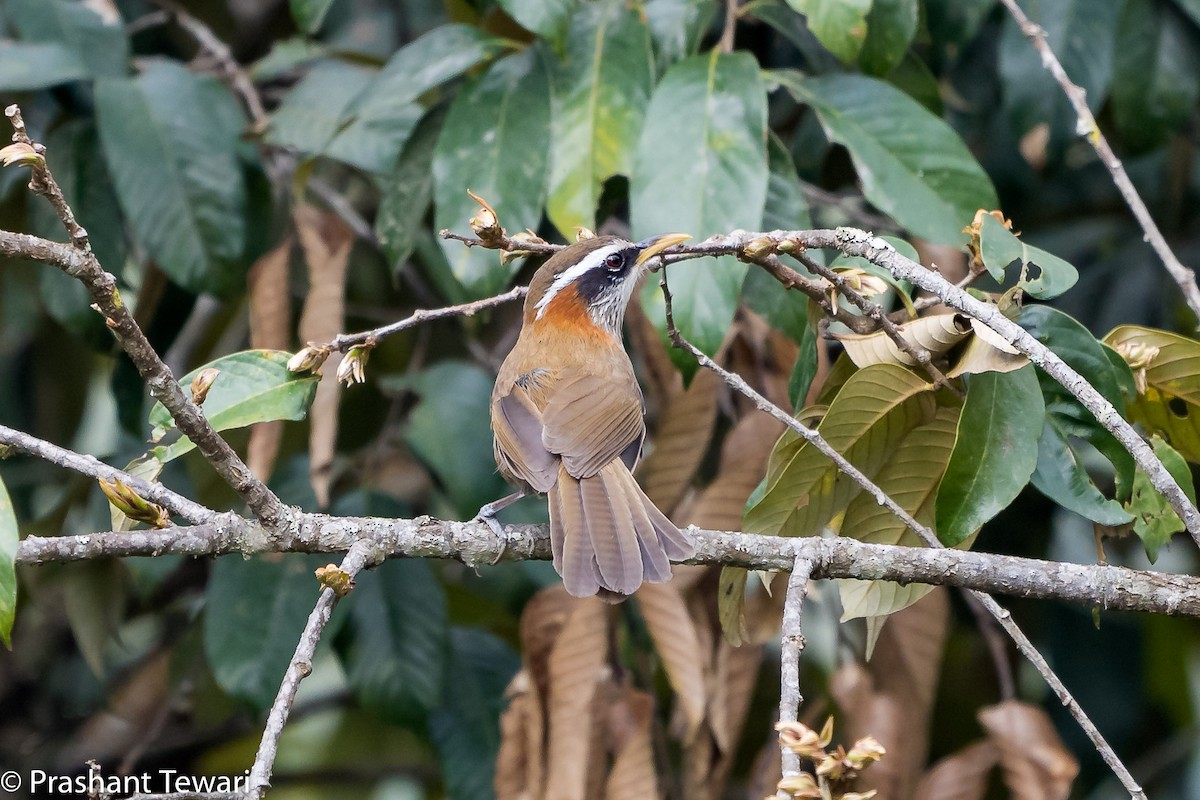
(593, 277)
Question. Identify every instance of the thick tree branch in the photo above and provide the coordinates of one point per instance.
(78, 261)
(88, 465)
(792, 644)
(1087, 127)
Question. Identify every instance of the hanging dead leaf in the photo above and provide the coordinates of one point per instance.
(632, 776)
(937, 334)
(326, 242)
(680, 441)
(1036, 764)
(660, 377)
(675, 639)
(962, 775)
(517, 777)
(987, 351)
(270, 329)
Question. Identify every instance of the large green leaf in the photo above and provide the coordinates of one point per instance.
(252, 386)
(378, 120)
(701, 168)
(995, 452)
(1062, 476)
(395, 640)
(871, 414)
(600, 87)
(408, 192)
(1155, 522)
(255, 609)
(309, 14)
(910, 477)
(1075, 345)
(546, 18)
(311, 112)
(1156, 81)
(1170, 402)
(465, 729)
(494, 143)
(10, 536)
(841, 25)
(913, 166)
(29, 65)
(891, 25)
(100, 45)
(1000, 248)
(677, 27)
(1081, 33)
(171, 138)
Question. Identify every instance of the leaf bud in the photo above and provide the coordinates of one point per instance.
(22, 155)
(202, 383)
(331, 576)
(800, 787)
(353, 367)
(133, 505)
(758, 248)
(486, 223)
(309, 359)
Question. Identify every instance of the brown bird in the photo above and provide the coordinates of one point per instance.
(567, 414)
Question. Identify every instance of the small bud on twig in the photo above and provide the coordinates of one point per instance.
(22, 155)
(331, 576)
(310, 358)
(353, 367)
(202, 383)
(133, 505)
(486, 223)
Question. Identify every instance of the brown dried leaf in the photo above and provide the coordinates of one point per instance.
(632, 776)
(678, 645)
(1036, 764)
(681, 441)
(962, 775)
(660, 378)
(515, 775)
(733, 685)
(937, 334)
(270, 329)
(326, 242)
(743, 464)
(892, 696)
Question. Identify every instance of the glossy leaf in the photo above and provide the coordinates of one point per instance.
(407, 193)
(677, 27)
(38, 65)
(910, 477)
(1075, 345)
(255, 609)
(309, 14)
(1155, 522)
(1000, 248)
(871, 414)
(252, 386)
(840, 25)
(1062, 476)
(546, 18)
(913, 166)
(311, 112)
(600, 89)
(995, 451)
(171, 138)
(494, 143)
(702, 168)
(1156, 79)
(396, 640)
(805, 369)
(891, 25)
(101, 46)
(10, 537)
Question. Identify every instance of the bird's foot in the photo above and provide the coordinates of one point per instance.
(487, 515)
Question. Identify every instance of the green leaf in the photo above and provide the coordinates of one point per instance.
(1062, 477)
(395, 640)
(677, 27)
(910, 477)
(25, 66)
(1075, 345)
(701, 168)
(1081, 33)
(101, 46)
(255, 609)
(407, 193)
(547, 18)
(805, 369)
(995, 451)
(1191, 8)
(875, 409)
(10, 537)
(1155, 522)
(465, 729)
(891, 25)
(253, 386)
(600, 87)
(308, 118)
(1000, 248)
(450, 431)
(1170, 402)
(378, 120)
(171, 138)
(1156, 80)
(309, 14)
(841, 25)
(494, 143)
(913, 166)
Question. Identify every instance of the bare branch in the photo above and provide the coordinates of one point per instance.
(88, 465)
(1087, 127)
(345, 341)
(789, 656)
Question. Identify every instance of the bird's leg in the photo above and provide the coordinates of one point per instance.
(487, 514)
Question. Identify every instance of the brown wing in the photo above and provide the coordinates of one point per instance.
(517, 425)
(589, 421)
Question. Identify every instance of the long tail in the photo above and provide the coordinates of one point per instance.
(607, 536)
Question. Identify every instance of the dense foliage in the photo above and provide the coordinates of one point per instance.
(239, 231)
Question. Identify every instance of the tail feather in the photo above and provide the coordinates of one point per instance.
(607, 536)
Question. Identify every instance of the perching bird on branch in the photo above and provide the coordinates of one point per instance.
(567, 415)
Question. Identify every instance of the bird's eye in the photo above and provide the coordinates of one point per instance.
(614, 261)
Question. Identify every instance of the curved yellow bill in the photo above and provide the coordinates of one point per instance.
(656, 244)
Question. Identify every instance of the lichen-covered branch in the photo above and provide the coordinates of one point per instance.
(792, 629)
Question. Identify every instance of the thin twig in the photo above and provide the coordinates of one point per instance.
(88, 465)
(789, 656)
(725, 43)
(1087, 127)
(1000, 614)
(361, 554)
(78, 261)
(996, 645)
(344, 341)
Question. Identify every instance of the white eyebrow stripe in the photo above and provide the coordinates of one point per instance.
(593, 260)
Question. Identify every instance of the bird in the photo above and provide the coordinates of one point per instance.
(568, 421)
